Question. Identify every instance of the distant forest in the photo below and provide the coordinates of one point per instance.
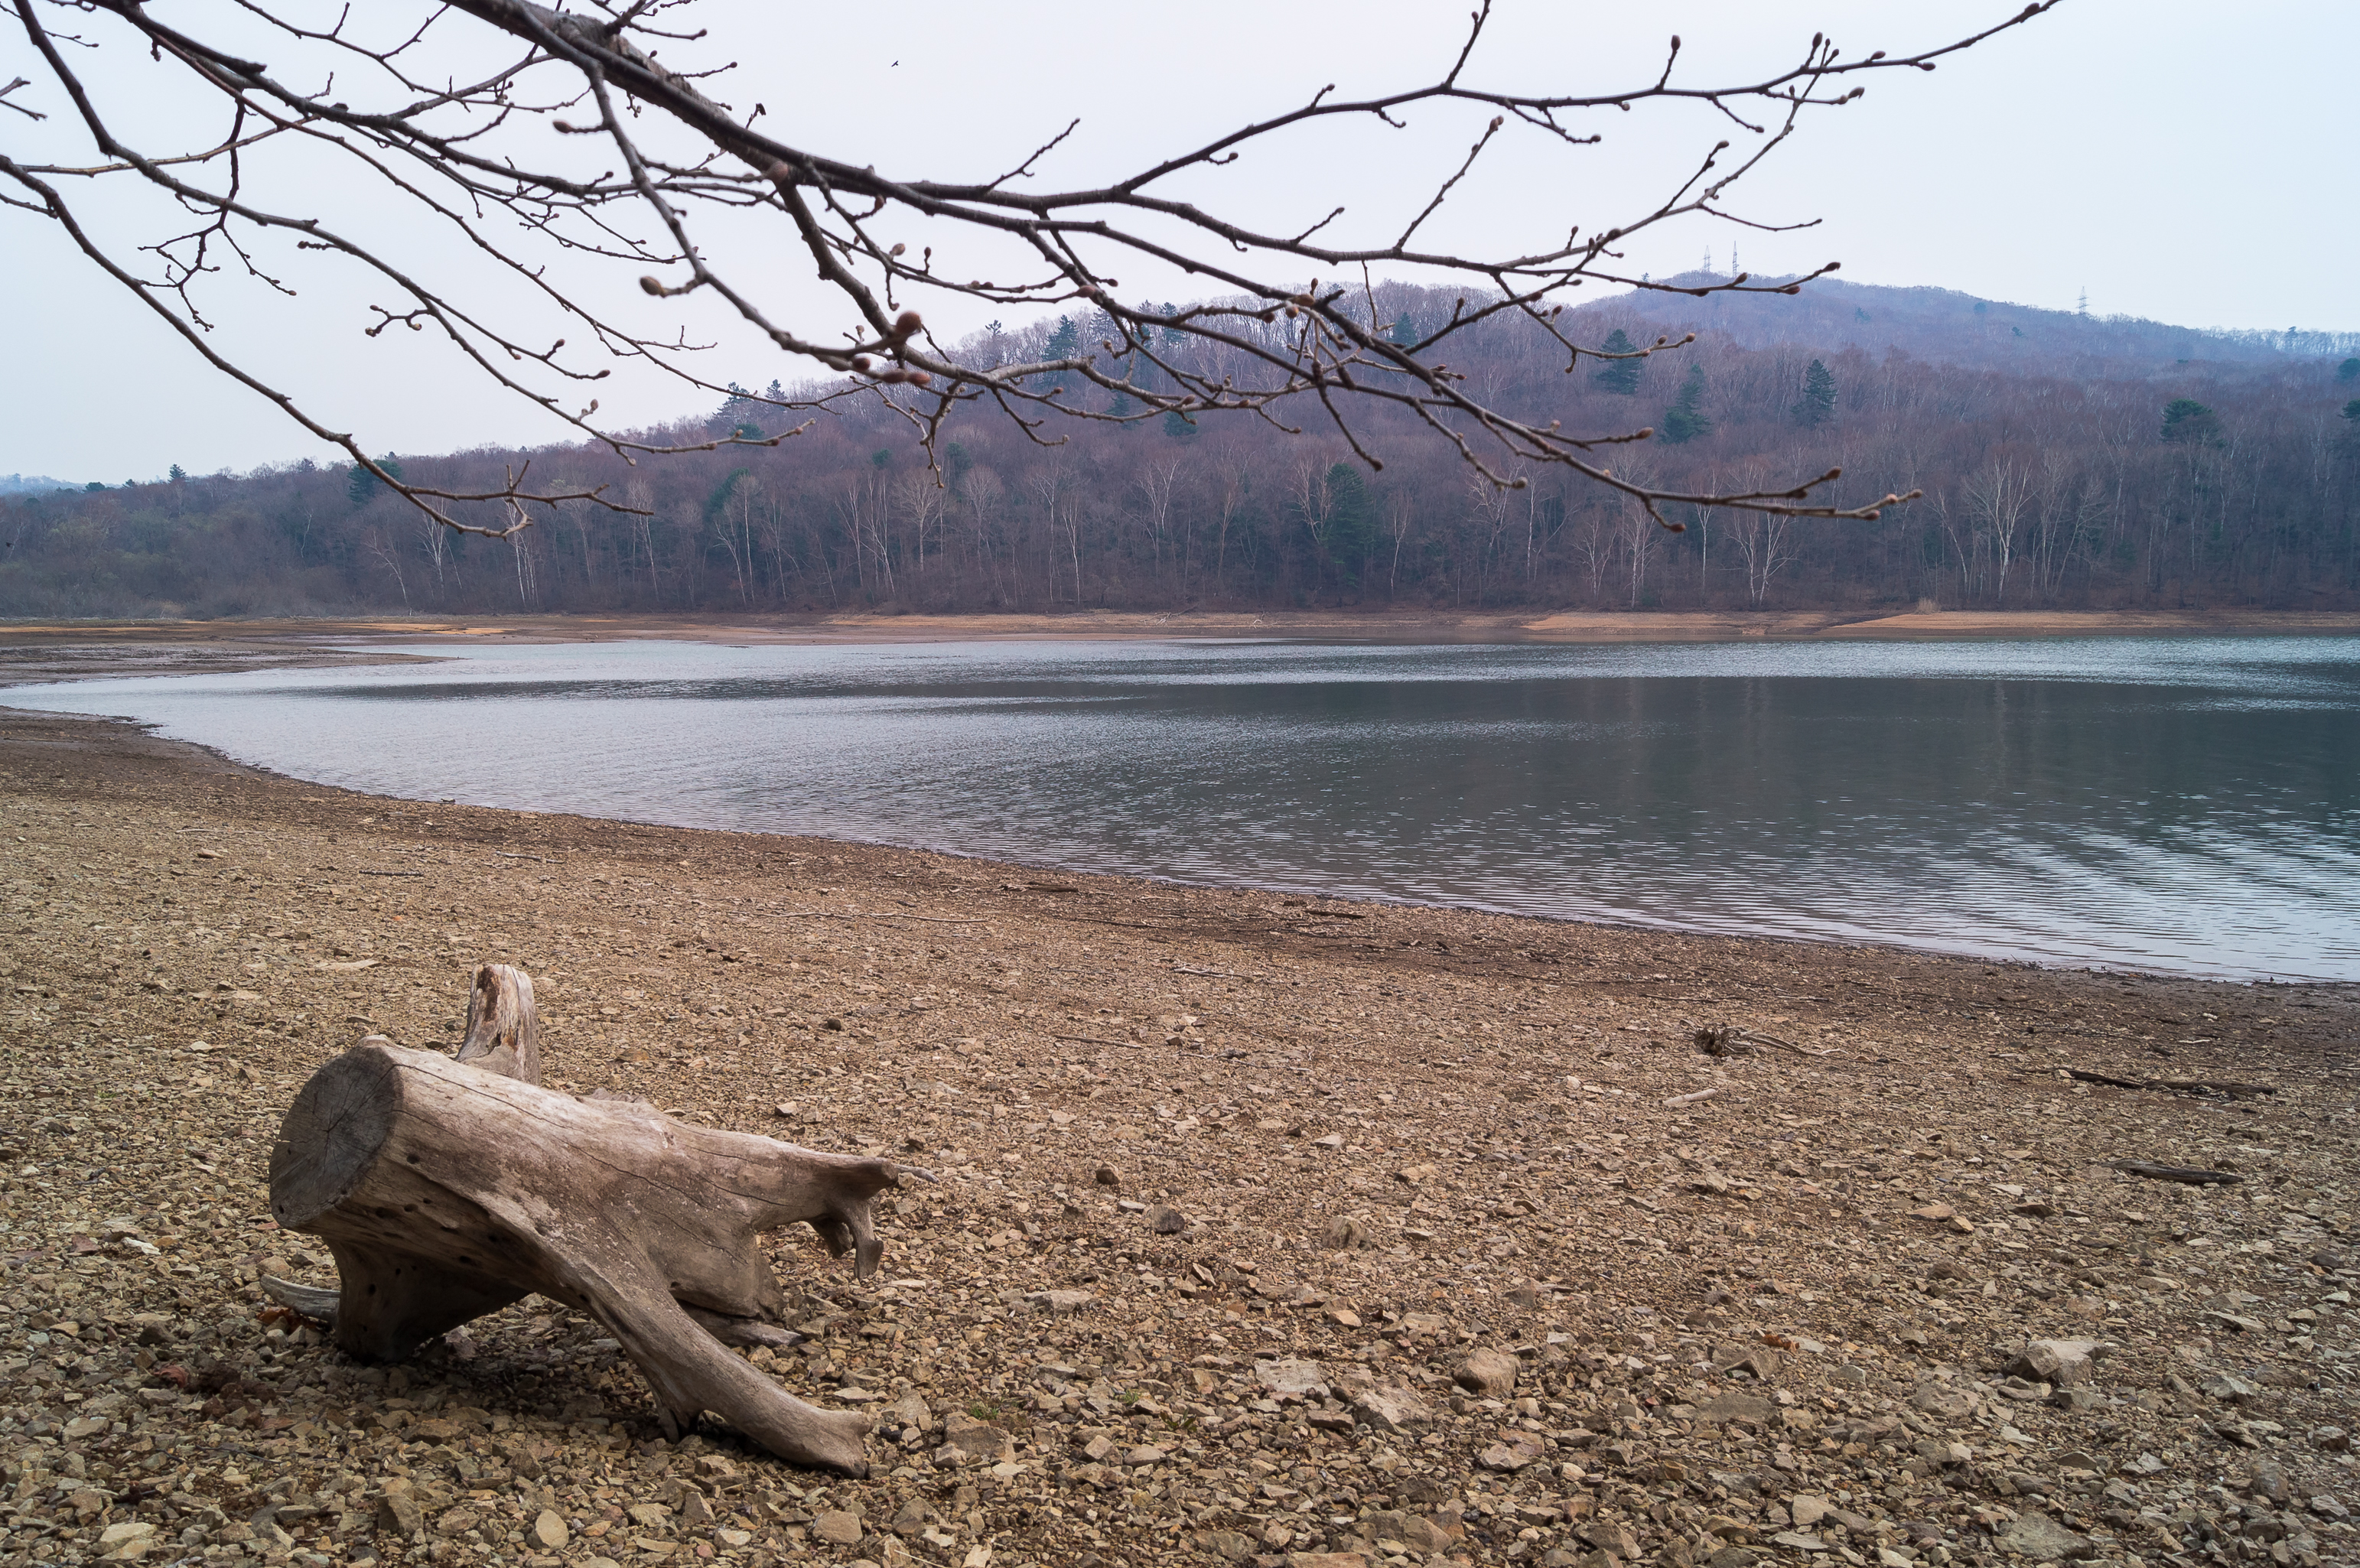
(2067, 463)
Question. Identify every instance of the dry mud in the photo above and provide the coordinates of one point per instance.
(1268, 1230)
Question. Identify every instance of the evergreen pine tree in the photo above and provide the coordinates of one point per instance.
(2348, 371)
(1066, 343)
(1818, 403)
(1620, 377)
(361, 485)
(1178, 426)
(2188, 421)
(1405, 333)
(1684, 420)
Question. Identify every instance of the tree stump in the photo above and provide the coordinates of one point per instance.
(447, 1189)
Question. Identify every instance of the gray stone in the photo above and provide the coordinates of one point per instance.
(2227, 1386)
(2062, 1362)
(972, 1442)
(1164, 1220)
(915, 1516)
(1347, 1234)
(2042, 1538)
(2268, 1480)
(398, 1513)
(1935, 1400)
(1392, 1410)
(837, 1528)
(1423, 1489)
(1736, 1406)
(1062, 1300)
(1293, 1380)
(1492, 1373)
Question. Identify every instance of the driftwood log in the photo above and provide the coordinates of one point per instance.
(448, 1188)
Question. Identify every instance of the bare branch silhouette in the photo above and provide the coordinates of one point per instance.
(1286, 331)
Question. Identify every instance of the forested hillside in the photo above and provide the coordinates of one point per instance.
(2067, 463)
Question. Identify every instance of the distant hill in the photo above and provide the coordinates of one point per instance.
(2064, 462)
(31, 484)
(1947, 327)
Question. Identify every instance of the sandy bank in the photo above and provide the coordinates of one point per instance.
(51, 650)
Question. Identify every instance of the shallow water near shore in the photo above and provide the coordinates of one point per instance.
(2183, 804)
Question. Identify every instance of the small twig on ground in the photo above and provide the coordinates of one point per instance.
(2194, 1176)
(1691, 1099)
(873, 915)
(2174, 1085)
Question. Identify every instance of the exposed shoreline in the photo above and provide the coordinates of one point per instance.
(1392, 1134)
(298, 642)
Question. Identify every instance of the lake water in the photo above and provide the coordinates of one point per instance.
(2188, 805)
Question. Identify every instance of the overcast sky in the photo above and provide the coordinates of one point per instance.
(2179, 162)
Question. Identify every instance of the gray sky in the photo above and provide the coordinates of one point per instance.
(2179, 162)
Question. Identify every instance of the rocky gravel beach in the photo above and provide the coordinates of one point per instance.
(1266, 1230)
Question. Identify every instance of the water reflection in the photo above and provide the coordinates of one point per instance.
(2182, 804)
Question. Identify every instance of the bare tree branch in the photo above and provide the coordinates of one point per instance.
(462, 156)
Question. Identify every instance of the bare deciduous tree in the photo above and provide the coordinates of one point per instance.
(1295, 335)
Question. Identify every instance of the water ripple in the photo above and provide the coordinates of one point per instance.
(2183, 804)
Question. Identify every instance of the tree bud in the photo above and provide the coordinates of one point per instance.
(653, 286)
(908, 321)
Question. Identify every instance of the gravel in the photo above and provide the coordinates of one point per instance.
(1261, 1237)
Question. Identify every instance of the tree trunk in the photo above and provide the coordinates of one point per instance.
(448, 1189)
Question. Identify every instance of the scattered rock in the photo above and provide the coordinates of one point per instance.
(397, 1514)
(837, 1526)
(1293, 1380)
(969, 1441)
(2064, 1363)
(1393, 1410)
(1492, 1373)
(2035, 1535)
(1737, 1406)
